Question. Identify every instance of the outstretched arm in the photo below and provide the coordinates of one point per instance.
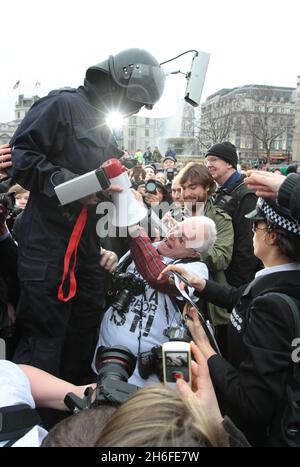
(196, 281)
(49, 391)
(265, 184)
(149, 263)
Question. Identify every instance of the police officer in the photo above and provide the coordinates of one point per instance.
(251, 384)
(63, 135)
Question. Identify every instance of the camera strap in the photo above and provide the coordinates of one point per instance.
(72, 251)
(16, 421)
(124, 264)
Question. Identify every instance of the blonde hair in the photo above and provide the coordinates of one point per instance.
(156, 416)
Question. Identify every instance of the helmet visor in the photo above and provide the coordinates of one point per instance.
(146, 84)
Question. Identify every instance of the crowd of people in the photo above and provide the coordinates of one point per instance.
(234, 237)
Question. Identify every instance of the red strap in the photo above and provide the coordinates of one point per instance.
(72, 248)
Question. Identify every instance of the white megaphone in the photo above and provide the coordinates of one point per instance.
(127, 210)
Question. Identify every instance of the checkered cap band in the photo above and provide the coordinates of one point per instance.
(283, 222)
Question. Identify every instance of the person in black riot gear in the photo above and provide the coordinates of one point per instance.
(64, 135)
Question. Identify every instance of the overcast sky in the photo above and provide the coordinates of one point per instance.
(54, 41)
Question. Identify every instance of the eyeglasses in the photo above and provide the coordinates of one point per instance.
(255, 226)
(213, 160)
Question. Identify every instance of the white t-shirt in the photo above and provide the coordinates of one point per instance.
(14, 390)
(146, 319)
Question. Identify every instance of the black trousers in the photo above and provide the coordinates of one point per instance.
(60, 337)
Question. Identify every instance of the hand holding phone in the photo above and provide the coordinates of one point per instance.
(176, 362)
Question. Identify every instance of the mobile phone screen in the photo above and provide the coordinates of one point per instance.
(176, 366)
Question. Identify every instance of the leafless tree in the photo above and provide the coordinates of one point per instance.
(264, 123)
(210, 130)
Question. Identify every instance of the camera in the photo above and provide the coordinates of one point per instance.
(170, 174)
(150, 363)
(125, 287)
(178, 333)
(114, 366)
(9, 202)
(150, 187)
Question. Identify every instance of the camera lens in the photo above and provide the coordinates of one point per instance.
(117, 362)
(126, 286)
(150, 186)
(122, 301)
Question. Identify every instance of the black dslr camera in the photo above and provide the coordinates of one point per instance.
(9, 202)
(125, 286)
(170, 174)
(114, 366)
(150, 363)
(150, 187)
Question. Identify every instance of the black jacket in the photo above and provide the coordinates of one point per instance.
(252, 382)
(237, 200)
(9, 284)
(63, 134)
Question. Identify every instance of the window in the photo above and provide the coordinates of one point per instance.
(131, 132)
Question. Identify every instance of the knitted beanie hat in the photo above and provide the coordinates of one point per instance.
(225, 151)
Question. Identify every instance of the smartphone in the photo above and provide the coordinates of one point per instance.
(176, 362)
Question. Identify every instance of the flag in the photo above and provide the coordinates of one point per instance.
(16, 85)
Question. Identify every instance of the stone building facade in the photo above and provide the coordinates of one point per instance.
(258, 119)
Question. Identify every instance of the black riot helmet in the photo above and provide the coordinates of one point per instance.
(136, 71)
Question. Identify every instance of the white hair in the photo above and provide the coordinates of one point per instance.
(205, 230)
